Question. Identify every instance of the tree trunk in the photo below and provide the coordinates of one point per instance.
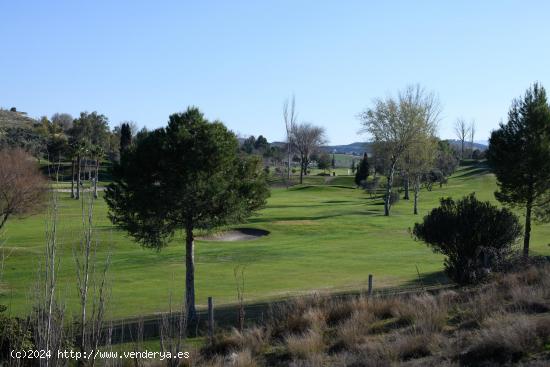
(96, 177)
(78, 169)
(406, 184)
(416, 191)
(4, 219)
(387, 204)
(190, 274)
(527, 236)
(301, 171)
(288, 161)
(72, 178)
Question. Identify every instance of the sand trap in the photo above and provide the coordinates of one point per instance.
(237, 234)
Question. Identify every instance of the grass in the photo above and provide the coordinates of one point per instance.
(323, 236)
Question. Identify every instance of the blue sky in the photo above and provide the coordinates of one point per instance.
(239, 60)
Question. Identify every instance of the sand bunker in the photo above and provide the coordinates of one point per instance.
(237, 234)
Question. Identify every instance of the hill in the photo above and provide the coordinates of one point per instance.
(13, 118)
(456, 143)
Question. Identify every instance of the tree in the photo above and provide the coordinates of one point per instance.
(91, 128)
(446, 160)
(462, 131)
(394, 124)
(261, 144)
(187, 176)
(289, 117)
(22, 186)
(333, 162)
(421, 158)
(63, 120)
(306, 139)
(519, 155)
(125, 137)
(97, 153)
(473, 235)
(362, 171)
(472, 131)
(323, 161)
(248, 144)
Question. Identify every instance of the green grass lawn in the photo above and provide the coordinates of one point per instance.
(326, 237)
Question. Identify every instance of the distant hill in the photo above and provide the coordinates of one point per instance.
(11, 119)
(456, 143)
(358, 148)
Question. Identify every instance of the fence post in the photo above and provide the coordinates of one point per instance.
(210, 319)
(369, 292)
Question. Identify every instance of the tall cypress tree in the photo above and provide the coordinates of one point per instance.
(125, 137)
(519, 155)
(362, 170)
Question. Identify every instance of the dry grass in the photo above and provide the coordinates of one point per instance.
(306, 345)
(504, 321)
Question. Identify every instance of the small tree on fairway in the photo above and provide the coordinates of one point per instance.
(323, 161)
(394, 124)
(186, 176)
(519, 155)
(362, 170)
(473, 235)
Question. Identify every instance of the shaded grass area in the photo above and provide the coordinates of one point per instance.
(322, 237)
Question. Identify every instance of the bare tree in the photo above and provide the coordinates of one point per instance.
(307, 139)
(472, 131)
(22, 186)
(63, 120)
(289, 116)
(49, 312)
(396, 123)
(173, 330)
(92, 286)
(462, 131)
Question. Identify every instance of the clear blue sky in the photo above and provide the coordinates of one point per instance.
(238, 61)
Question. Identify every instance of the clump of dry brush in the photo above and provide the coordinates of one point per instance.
(503, 321)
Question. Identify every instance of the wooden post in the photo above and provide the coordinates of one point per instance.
(210, 319)
(369, 292)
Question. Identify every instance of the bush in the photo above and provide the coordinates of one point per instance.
(475, 236)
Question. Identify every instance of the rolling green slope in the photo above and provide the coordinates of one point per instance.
(322, 237)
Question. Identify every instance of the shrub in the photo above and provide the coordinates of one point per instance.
(474, 236)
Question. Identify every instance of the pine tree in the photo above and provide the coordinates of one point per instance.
(362, 170)
(125, 137)
(519, 155)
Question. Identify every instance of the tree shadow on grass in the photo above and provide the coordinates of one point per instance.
(426, 279)
(474, 172)
(314, 217)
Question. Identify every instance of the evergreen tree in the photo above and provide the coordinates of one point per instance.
(519, 155)
(362, 170)
(125, 137)
(186, 176)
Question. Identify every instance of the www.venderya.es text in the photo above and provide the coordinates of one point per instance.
(95, 354)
